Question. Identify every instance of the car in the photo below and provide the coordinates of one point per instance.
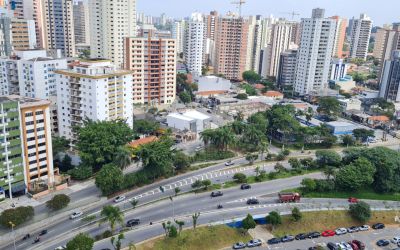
(332, 246)
(132, 222)
(378, 226)
(300, 237)
(209, 111)
(345, 246)
(353, 229)
(341, 231)
(252, 201)
(274, 241)
(43, 232)
(382, 243)
(254, 243)
(229, 163)
(395, 240)
(354, 246)
(360, 245)
(313, 235)
(216, 193)
(328, 233)
(239, 245)
(199, 148)
(363, 228)
(76, 214)
(287, 238)
(61, 247)
(245, 186)
(352, 200)
(119, 198)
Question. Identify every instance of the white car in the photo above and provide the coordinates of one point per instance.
(119, 198)
(341, 231)
(363, 228)
(76, 214)
(60, 248)
(396, 240)
(254, 243)
(345, 246)
(229, 163)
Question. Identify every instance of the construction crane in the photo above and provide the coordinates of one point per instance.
(239, 4)
(293, 14)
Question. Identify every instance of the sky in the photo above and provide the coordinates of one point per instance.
(380, 11)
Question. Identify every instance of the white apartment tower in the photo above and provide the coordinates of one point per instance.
(81, 23)
(93, 89)
(314, 54)
(110, 22)
(179, 34)
(254, 43)
(195, 44)
(360, 35)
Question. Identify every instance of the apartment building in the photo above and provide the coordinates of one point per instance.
(387, 40)
(390, 80)
(23, 35)
(287, 68)
(360, 35)
(254, 43)
(195, 44)
(179, 34)
(341, 25)
(153, 61)
(81, 23)
(93, 89)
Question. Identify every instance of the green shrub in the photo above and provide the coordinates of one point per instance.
(212, 155)
(17, 216)
(81, 172)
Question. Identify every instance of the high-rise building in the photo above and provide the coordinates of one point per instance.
(110, 22)
(287, 68)
(81, 23)
(179, 34)
(387, 40)
(16, 34)
(341, 25)
(360, 35)
(209, 37)
(5, 36)
(153, 61)
(195, 44)
(231, 47)
(314, 54)
(390, 80)
(254, 43)
(59, 26)
(93, 89)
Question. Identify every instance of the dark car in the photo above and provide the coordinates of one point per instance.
(43, 232)
(301, 237)
(287, 238)
(313, 235)
(216, 194)
(245, 186)
(382, 243)
(378, 226)
(252, 201)
(332, 246)
(133, 222)
(360, 245)
(274, 241)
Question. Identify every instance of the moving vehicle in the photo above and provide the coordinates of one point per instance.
(27, 236)
(382, 243)
(43, 232)
(219, 206)
(360, 245)
(274, 241)
(313, 235)
(352, 200)
(287, 238)
(353, 229)
(216, 193)
(119, 198)
(395, 240)
(132, 222)
(328, 233)
(36, 240)
(289, 197)
(76, 214)
(363, 228)
(301, 236)
(239, 245)
(254, 243)
(252, 201)
(60, 248)
(341, 231)
(245, 186)
(378, 226)
(229, 163)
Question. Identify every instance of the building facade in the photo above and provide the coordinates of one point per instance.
(341, 25)
(338, 69)
(81, 23)
(287, 68)
(23, 35)
(387, 40)
(195, 44)
(390, 81)
(360, 35)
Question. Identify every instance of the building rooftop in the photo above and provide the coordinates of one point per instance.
(196, 115)
(25, 102)
(273, 93)
(142, 141)
(180, 116)
(381, 118)
(339, 124)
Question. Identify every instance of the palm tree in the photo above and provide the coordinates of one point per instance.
(207, 136)
(123, 157)
(113, 215)
(238, 127)
(329, 172)
(225, 137)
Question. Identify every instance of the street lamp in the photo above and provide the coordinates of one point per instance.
(173, 208)
(12, 231)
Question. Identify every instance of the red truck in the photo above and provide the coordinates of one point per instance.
(289, 197)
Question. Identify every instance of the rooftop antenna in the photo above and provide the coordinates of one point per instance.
(239, 4)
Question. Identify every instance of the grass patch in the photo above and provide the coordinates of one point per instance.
(323, 220)
(213, 237)
(89, 218)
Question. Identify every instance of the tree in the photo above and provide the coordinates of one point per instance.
(197, 184)
(251, 76)
(59, 144)
(221, 137)
(81, 241)
(250, 90)
(58, 202)
(173, 233)
(358, 61)
(180, 225)
(348, 140)
(206, 184)
(81, 172)
(145, 127)
(98, 141)
(241, 96)
(113, 215)
(181, 160)
(329, 106)
(248, 222)
(274, 218)
(134, 202)
(240, 177)
(296, 214)
(185, 97)
(308, 184)
(360, 211)
(295, 163)
(195, 217)
(16, 216)
(359, 77)
(170, 230)
(117, 244)
(328, 158)
(362, 134)
(109, 179)
(279, 167)
(66, 164)
(251, 158)
(329, 172)
(123, 157)
(177, 190)
(356, 175)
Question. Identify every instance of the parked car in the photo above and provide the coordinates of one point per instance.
(132, 222)
(353, 229)
(119, 198)
(378, 226)
(76, 214)
(287, 238)
(395, 240)
(274, 241)
(352, 200)
(254, 243)
(382, 243)
(332, 246)
(363, 228)
(354, 246)
(229, 163)
(360, 245)
(239, 245)
(341, 231)
(328, 233)
(216, 193)
(313, 235)
(245, 186)
(345, 246)
(301, 237)
(252, 201)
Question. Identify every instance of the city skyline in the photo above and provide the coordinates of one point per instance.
(278, 9)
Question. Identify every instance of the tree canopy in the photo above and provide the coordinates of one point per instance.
(145, 127)
(81, 242)
(328, 158)
(185, 97)
(109, 179)
(356, 175)
(329, 106)
(17, 216)
(248, 222)
(251, 76)
(360, 211)
(58, 202)
(363, 134)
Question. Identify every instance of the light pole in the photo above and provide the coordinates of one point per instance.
(12, 231)
(173, 208)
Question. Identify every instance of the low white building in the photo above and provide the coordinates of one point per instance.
(191, 120)
(350, 104)
(346, 83)
(213, 83)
